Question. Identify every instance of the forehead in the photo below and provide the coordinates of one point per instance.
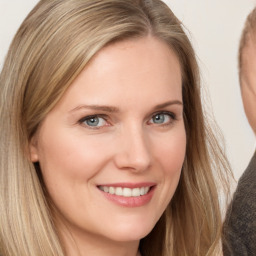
(125, 70)
(134, 56)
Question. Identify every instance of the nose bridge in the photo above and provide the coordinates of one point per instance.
(134, 151)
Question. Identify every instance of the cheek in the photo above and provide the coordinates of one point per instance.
(71, 155)
(170, 157)
(68, 165)
(171, 153)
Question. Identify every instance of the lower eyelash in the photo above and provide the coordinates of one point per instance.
(86, 118)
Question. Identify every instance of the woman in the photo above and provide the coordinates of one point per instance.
(104, 147)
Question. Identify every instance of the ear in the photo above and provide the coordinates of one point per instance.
(33, 150)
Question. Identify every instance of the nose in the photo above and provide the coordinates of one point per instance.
(133, 150)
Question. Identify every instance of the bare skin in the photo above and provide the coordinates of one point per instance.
(118, 127)
(248, 79)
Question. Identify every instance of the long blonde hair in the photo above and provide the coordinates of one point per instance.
(52, 46)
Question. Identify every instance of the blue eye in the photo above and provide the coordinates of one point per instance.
(94, 121)
(161, 118)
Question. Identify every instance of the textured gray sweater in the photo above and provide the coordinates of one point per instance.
(239, 231)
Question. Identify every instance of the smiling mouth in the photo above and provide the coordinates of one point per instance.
(125, 192)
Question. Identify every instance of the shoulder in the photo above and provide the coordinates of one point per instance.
(239, 229)
(244, 202)
(246, 187)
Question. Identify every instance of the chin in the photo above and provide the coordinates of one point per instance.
(131, 232)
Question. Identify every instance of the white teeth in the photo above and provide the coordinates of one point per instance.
(111, 190)
(136, 192)
(119, 191)
(126, 192)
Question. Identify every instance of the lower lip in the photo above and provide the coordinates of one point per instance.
(130, 201)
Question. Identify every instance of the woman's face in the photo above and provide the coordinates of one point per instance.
(111, 151)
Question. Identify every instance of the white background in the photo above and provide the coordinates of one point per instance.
(214, 28)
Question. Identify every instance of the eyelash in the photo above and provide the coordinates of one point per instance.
(87, 118)
(105, 117)
(171, 115)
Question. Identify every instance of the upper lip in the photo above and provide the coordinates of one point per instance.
(129, 185)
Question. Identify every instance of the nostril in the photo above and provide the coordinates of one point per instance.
(133, 152)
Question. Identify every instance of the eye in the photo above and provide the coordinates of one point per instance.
(162, 118)
(94, 121)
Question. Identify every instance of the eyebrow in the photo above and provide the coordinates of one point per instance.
(168, 103)
(103, 108)
(112, 109)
